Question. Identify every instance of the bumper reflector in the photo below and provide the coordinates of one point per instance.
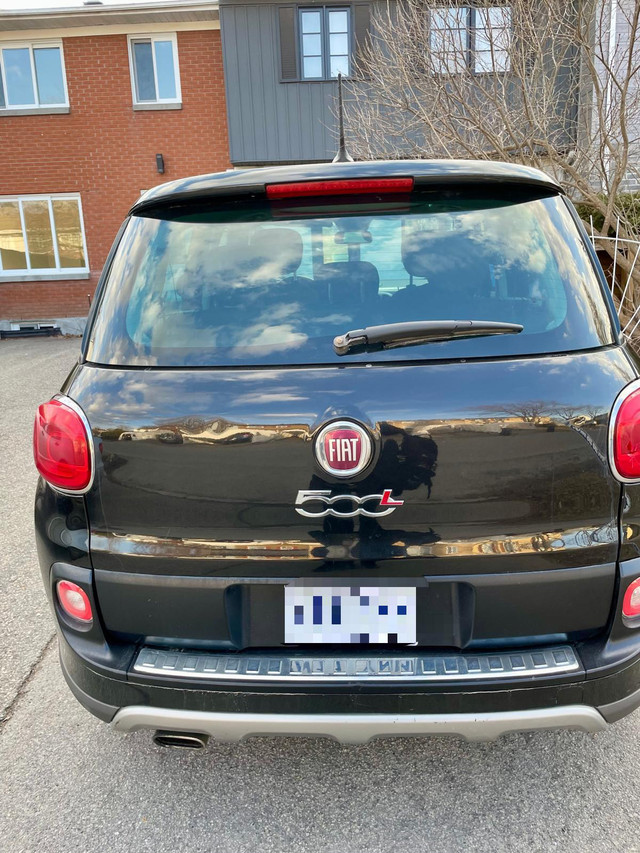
(74, 601)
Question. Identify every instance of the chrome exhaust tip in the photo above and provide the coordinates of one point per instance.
(180, 740)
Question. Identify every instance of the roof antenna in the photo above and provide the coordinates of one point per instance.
(343, 155)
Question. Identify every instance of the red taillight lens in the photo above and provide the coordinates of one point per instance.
(359, 186)
(61, 446)
(631, 600)
(74, 601)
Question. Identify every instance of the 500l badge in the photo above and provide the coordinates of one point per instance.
(372, 506)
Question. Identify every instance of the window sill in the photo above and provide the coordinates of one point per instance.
(34, 111)
(174, 106)
(44, 276)
(315, 80)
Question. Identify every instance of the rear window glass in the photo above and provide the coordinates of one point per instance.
(266, 286)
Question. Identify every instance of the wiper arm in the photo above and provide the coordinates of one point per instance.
(391, 335)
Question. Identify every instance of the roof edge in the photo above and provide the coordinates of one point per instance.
(24, 19)
(252, 182)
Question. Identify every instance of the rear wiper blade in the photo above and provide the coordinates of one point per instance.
(391, 335)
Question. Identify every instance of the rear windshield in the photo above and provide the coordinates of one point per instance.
(275, 286)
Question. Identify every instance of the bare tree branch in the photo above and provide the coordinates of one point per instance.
(558, 89)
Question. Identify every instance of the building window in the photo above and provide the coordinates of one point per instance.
(41, 234)
(155, 76)
(325, 42)
(32, 76)
(491, 39)
(466, 38)
(449, 38)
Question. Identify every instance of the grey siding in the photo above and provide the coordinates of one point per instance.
(632, 179)
(270, 121)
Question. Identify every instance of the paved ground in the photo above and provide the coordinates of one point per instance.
(69, 784)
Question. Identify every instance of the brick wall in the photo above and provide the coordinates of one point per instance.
(105, 151)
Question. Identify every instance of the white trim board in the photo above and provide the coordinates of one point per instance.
(110, 30)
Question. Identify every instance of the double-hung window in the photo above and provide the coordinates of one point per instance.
(32, 76)
(325, 42)
(464, 38)
(449, 39)
(491, 36)
(40, 235)
(155, 75)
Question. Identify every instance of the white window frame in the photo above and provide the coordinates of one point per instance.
(469, 57)
(31, 45)
(493, 39)
(457, 54)
(153, 37)
(325, 56)
(57, 271)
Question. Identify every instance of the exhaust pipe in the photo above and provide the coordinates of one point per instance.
(180, 740)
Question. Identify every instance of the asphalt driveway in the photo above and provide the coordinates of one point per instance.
(68, 783)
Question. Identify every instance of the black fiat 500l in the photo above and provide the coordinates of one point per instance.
(350, 450)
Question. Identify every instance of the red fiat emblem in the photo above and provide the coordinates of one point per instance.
(343, 448)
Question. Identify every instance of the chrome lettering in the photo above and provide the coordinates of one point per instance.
(323, 496)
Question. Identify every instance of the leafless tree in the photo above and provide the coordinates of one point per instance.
(548, 83)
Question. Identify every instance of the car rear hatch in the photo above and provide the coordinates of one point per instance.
(210, 372)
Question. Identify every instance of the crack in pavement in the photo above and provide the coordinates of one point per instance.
(8, 711)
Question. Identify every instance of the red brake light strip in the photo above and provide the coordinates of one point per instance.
(359, 186)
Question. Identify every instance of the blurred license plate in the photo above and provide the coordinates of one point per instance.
(342, 614)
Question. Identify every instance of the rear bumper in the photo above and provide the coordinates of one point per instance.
(350, 712)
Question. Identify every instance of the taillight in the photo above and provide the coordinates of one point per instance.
(356, 186)
(61, 446)
(624, 435)
(631, 600)
(74, 601)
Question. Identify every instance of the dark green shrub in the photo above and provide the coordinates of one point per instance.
(629, 204)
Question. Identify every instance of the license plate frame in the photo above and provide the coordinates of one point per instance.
(349, 615)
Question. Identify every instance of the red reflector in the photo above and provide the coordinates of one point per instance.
(74, 600)
(61, 446)
(631, 600)
(360, 186)
(626, 437)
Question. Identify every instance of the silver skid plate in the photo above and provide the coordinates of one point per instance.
(359, 728)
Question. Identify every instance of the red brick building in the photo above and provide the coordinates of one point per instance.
(94, 103)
